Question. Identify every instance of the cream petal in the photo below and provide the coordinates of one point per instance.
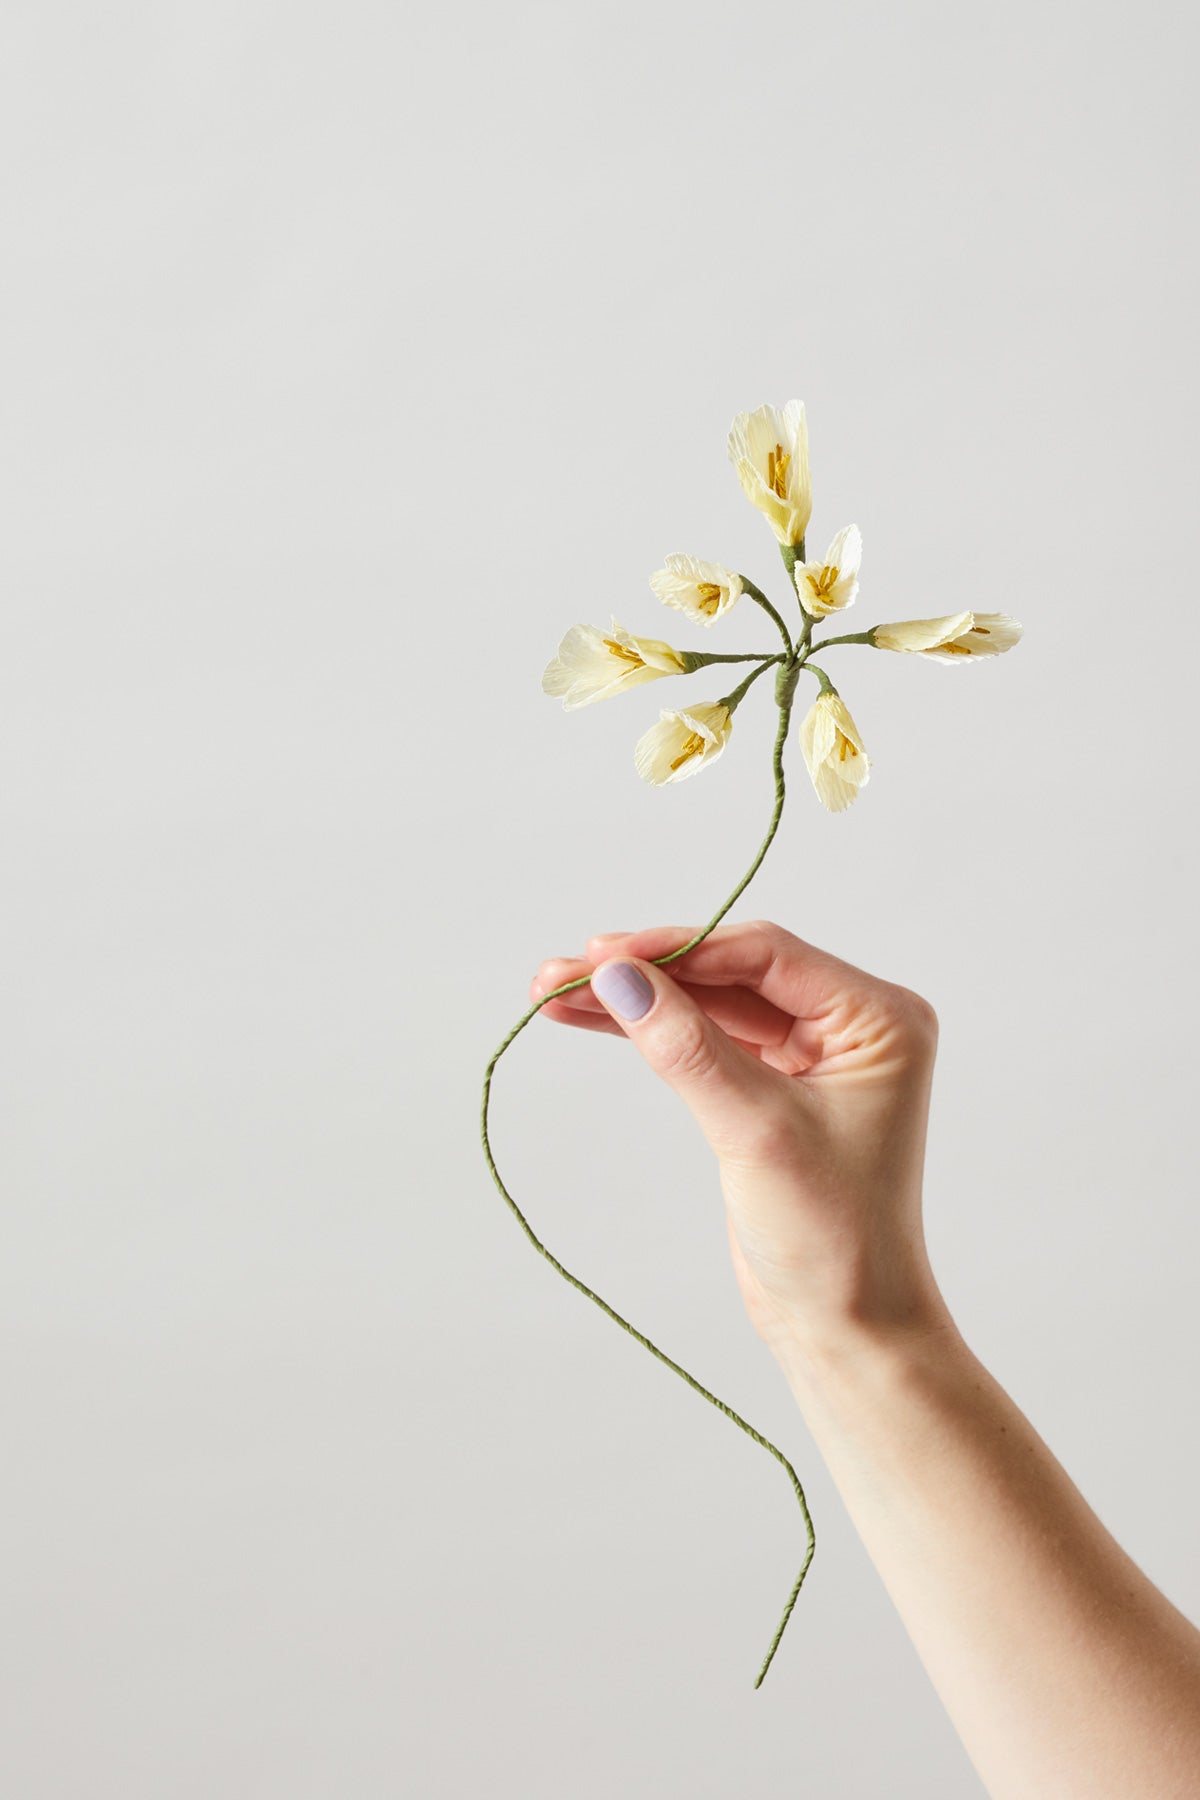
(821, 594)
(834, 752)
(652, 651)
(709, 717)
(657, 655)
(586, 669)
(991, 634)
(679, 585)
(753, 437)
(845, 552)
(580, 653)
(661, 747)
(652, 753)
(780, 515)
(556, 678)
(923, 634)
(584, 692)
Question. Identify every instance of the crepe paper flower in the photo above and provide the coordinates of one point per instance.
(703, 590)
(769, 450)
(952, 639)
(830, 586)
(683, 743)
(836, 757)
(592, 664)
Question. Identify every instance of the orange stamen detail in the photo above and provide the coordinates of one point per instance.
(693, 744)
(623, 652)
(822, 582)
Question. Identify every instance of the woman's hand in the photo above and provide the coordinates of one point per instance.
(810, 1081)
(1065, 1670)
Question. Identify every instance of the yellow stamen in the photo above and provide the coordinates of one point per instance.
(822, 582)
(693, 744)
(709, 596)
(983, 630)
(624, 653)
(845, 746)
(955, 649)
(777, 468)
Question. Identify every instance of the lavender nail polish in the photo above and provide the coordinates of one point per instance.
(624, 988)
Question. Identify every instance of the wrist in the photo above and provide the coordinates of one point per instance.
(817, 1355)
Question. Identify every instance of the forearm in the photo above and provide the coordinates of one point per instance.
(1067, 1674)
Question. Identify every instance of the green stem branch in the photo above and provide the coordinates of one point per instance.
(734, 699)
(760, 599)
(567, 987)
(700, 659)
(827, 686)
(851, 637)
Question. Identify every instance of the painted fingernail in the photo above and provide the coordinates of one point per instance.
(624, 988)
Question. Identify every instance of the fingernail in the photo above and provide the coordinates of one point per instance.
(624, 988)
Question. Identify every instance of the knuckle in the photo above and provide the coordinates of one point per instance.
(918, 1015)
(688, 1053)
(774, 934)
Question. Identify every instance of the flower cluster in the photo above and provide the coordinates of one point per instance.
(769, 451)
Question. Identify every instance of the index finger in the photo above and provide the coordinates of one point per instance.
(758, 954)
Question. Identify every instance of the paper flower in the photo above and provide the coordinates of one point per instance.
(836, 757)
(592, 664)
(683, 742)
(769, 450)
(703, 590)
(830, 586)
(951, 639)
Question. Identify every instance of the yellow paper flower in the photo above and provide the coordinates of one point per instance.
(592, 664)
(769, 450)
(682, 742)
(702, 590)
(834, 751)
(830, 586)
(952, 639)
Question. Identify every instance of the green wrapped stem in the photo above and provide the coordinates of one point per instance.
(784, 694)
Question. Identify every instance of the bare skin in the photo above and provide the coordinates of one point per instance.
(1067, 1674)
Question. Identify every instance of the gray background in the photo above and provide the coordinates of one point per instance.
(350, 354)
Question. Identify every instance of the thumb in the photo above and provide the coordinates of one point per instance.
(712, 1074)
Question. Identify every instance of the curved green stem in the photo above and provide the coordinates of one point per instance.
(734, 699)
(851, 637)
(700, 659)
(793, 554)
(568, 987)
(760, 599)
(827, 686)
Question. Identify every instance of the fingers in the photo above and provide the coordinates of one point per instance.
(722, 1085)
(796, 977)
(559, 1013)
(740, 1013)
(556, 972)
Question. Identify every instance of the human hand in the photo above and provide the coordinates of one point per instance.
(810, 1080)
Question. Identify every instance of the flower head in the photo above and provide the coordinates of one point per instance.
(592, 664)
(702, 590)
(952, 639)
(683, 742)
(830, 586)
(834, 751)
(769, 450)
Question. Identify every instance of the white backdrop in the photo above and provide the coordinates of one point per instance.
(350, 354)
